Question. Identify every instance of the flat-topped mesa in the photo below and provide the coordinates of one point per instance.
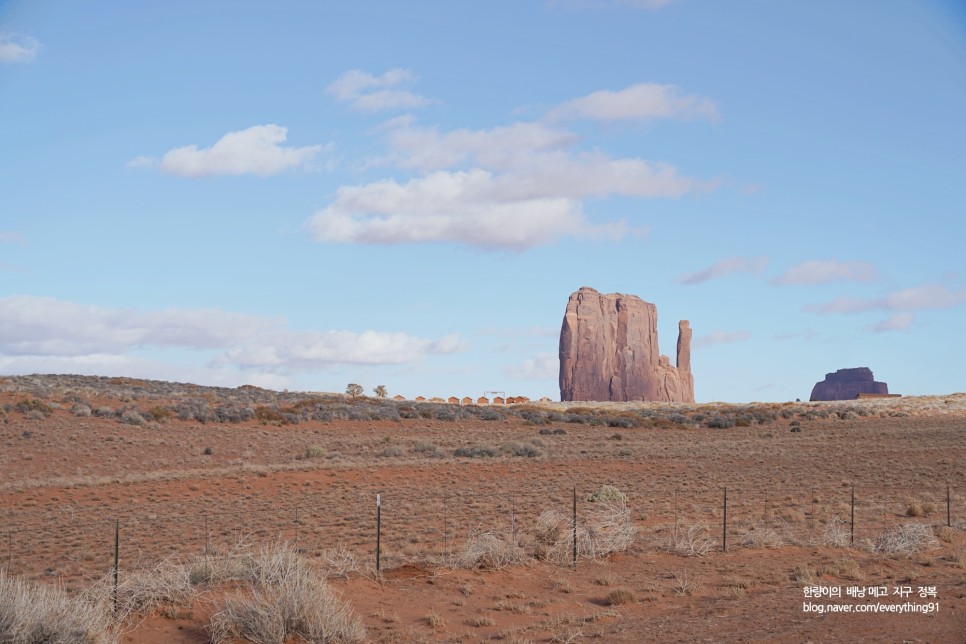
(847, 384)
(609, 351)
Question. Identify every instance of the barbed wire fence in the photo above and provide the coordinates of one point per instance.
(428, 528)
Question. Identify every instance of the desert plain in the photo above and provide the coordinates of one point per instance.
(695, 522)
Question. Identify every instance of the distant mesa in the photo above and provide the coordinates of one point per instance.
(609, 351)
(849, 384)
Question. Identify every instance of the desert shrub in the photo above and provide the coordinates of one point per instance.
(744, 420)
(556, 417)
(315, 451)
(680, 419)
(325, 415)
(619, 596)
(836, 533)
(391, 451)
(582, 419)
(192, 409)
(906, 540)
(607, 493)
(602, 529)
(32, 613)
(616, 437)
(160, 414)
(81, 409)
(285, 598)
(788, 413)
(720, 421)
(132, 417)
(103, 412)
(489, 551)
(625, 422)
(269, 415)
(28, 405)
(520, 449)
(690, 541)
(428, 449)
(534, 418)
(491, 414)
(476, 451)
(762, 538)
(35, 414)
(208, 451)
(408, 412)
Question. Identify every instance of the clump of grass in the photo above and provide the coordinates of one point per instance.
(690, 541)
(619, 596)
(607, 493)
(762, 538)
(476, 451)
(44, 613)
(285, 598)
(515, 448)
(314, 451)
(836, 534)
(486, 550)
(847, 567)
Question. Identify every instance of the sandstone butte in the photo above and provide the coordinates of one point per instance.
(609, 351)
(847, 384)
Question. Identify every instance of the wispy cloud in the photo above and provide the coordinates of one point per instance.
(807, 334)
(512, 186)
(641, 102)
(827, 272)
(544, 366)
(256, 150)
(365, 92)
(895, 322)
(46, 330)
(12, 237)
(18, 48)
(903, 305)
(721, 337)
(723, 267)
(927, 296)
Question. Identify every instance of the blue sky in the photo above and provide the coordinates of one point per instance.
(306, 194)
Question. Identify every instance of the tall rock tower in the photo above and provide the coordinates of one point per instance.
(609, 351)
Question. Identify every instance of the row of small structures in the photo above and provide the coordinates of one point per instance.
(482, 400)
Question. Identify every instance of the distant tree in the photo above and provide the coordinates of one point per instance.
(354, 390)
(380, 391)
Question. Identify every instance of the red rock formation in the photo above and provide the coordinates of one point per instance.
(847, 384)
(609, 351)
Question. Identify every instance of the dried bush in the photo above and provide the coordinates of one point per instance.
(836, 534)
(487, 550)
(285, 598)
(603, 529)
(515, 448)
(691, 541)
(31, 613)
(619, 596)
(476, 451)
(81, 409)
(762, 538)
(906, 540)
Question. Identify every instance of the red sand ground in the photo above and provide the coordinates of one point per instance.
(64, 479)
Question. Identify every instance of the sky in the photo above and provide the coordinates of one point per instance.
(302, 195)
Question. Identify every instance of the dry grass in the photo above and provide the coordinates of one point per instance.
(35, 614)
(605, 527)
(619, 596)
(906, 540)
(284, 598)
(487, 550)
(690, 541)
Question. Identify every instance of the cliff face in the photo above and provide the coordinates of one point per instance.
(847, 384)
(609, 351)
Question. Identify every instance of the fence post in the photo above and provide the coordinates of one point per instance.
(9, 551)
(513, 525)
(949, 515)
(575, 526)
(378, 529)
(296, 526)
(446, 525)
(724, 521)
(852, 518)
(117, 544)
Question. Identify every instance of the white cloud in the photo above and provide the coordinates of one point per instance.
(255, 150)
(43, 330)
(721, 337)
(895, 322)
(466, 207)
(544, 366)
(723, 267)
(644, 101)
(146, 162)
(927, 296)
(826, 272)
(367, 93)
(515, 186)
(17, 48)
